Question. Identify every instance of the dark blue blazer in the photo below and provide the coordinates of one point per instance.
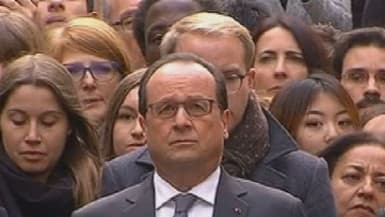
(234, 198)
(285, 168)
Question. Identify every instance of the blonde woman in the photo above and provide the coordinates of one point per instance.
(97, 59)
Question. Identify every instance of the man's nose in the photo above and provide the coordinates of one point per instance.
(56, 6)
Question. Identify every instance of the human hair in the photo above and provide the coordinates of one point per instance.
(329, 36)
(344, 143)
(91, 36)
(248, 13)
(291, 103)
(138, 22)
(210, 24)
(125, 86)
(371, 112)
(372, 36)
(220, 86)
(19, 36)
(314, 53)
(81, 154)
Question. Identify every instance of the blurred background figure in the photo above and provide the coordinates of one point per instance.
(286, 49)
(357, 172)
(373, 119)
(49, 160)
(120, 14)
(359, 63)
(19, 36)
(155, 17)
(97, 59)
(335, 12)
(315, 111)
(121, 132)
(374, 13)
(50, 13)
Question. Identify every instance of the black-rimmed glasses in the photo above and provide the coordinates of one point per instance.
(233, 82)
(193, 107)
(99, 70)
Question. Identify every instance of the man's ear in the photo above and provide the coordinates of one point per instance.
(226, 121)
(250, 78)
(143, 124)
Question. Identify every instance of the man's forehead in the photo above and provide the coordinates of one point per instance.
(182, 68)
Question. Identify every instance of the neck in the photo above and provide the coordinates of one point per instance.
(184, 179)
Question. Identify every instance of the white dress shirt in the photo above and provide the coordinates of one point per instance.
(202, 207)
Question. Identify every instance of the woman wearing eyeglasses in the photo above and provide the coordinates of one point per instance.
(95, 55)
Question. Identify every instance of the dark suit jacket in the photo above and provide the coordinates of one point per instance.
(373, 13)
(235, 198)
(284, 167)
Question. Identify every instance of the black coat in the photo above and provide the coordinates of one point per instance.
(374, 13)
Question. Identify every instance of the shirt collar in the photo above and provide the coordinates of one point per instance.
(164, 191)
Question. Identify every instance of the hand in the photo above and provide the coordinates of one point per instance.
(26, 7)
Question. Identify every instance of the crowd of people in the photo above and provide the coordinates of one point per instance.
(192, 108)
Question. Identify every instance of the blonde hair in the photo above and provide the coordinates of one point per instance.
(209, 24)
(81, 154)
(91, 36)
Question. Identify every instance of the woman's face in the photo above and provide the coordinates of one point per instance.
(278, 60)
(325, 119)
(128, 134)
(34, 130)
(95, 78)
(358, 181)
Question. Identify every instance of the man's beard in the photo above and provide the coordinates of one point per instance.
(368, 101)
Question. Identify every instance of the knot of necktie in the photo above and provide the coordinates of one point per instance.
(183, 202)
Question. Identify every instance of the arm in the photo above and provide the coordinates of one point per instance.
(298, 210)
(336, 12)
(319, 200)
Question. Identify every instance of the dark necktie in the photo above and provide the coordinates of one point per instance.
(183, 202)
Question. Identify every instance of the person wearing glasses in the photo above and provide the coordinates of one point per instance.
(121, 132)
(257, 148)
(184, 111)
(97, 59)
(359, 64)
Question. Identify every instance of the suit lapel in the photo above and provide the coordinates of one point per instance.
(140, 200)
(228, 200)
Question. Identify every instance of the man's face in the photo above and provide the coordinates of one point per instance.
(57, 12)
(363, 75)
(227, 54)
(160, 17)
(183, 123)
(122, 9)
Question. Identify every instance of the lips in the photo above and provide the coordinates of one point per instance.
(364, 208)
(274, 89)
(89, 102)
(183, 142)
(33, 155)
(55, 19)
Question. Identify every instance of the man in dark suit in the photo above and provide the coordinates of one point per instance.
(258, 148)
(183, 107)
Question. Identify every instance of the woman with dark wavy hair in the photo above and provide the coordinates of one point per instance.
(286, 49)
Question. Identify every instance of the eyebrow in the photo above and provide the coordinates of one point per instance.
(42, 114)
(127, 107)
(316, 112)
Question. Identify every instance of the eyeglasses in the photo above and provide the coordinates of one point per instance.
(125, 24)
(100, 70)
(361, 77)
(233, 82)
(194, 108)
